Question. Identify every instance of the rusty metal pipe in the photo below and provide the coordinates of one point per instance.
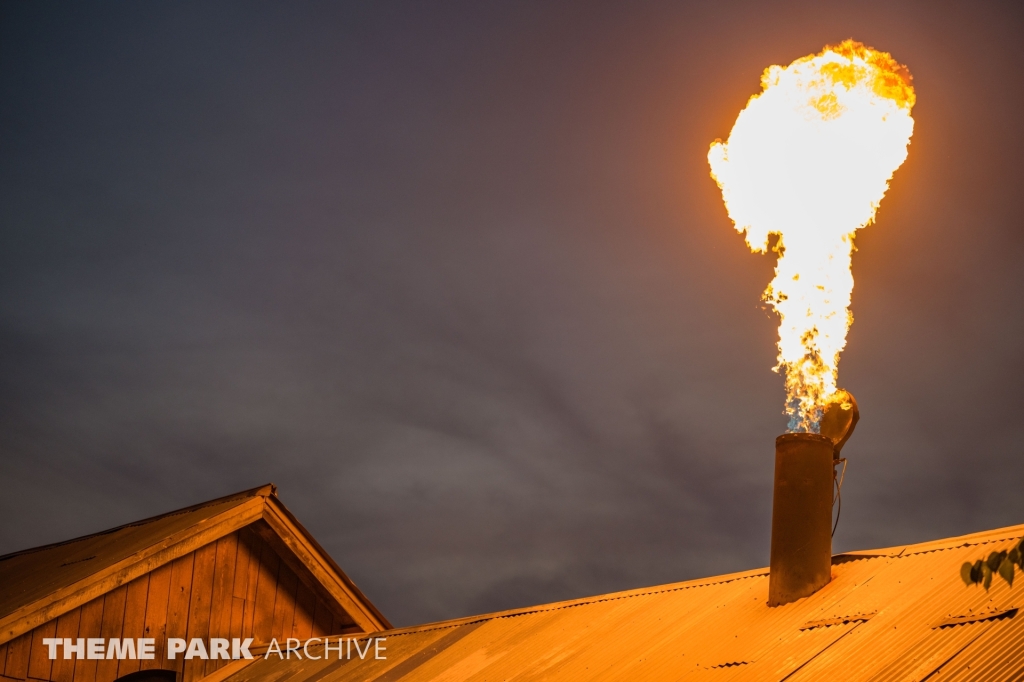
(801, 553)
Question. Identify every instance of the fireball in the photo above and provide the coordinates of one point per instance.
(808, 161)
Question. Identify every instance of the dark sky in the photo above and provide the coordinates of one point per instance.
(456, 279)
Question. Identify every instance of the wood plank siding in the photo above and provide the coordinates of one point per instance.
(236, 586)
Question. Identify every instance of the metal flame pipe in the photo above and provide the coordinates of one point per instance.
(801, 553)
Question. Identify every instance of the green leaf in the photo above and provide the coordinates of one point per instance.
(994, 559)
(1014, 556)
(988, 576)
(966, 574)
(1006, 571)
(976, 571)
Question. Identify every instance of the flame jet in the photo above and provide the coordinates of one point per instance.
(809, 159)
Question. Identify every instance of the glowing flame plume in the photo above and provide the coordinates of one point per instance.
(809, 160)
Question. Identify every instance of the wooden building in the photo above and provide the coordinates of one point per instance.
(237, 567)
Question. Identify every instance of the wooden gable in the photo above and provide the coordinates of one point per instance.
(241, 566)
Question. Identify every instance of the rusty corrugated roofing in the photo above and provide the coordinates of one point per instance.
(885, 616)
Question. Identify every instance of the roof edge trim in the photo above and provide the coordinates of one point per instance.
(582, 601)
(259, 491)
(74, 595)
(325, 570)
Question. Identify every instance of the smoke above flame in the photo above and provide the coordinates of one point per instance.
(808, 160)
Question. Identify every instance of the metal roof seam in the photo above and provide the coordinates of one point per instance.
(987, 541)
(585, 601)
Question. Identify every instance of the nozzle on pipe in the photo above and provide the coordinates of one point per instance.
(839, 418)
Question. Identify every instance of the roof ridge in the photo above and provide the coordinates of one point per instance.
(265, 490)
(978, 538)
(581, 601)
(981, 537)
(897, 551)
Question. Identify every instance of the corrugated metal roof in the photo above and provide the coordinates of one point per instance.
(884, 616)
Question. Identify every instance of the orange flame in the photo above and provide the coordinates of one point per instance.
(809, 159)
